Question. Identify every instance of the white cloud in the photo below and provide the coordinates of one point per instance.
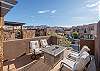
(47, 11)
(44, 11)
(96, 9)
(53, 11)
(84, 17)
(90, 1)
(93, 4)
(77, 17)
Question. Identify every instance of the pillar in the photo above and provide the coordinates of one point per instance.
(1, 43)
(97, 46)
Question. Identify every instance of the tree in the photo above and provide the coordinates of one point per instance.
(61, 39)
(75, 35)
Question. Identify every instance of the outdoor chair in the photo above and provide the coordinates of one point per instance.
(81, 64)
(44, 43)
(35, 49)
(75, 54)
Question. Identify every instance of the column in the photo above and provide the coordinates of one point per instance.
(1, 43)
(97, 46)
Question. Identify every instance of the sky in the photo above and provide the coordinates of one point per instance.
(65, 13)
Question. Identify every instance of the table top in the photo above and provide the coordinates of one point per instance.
(54, 49)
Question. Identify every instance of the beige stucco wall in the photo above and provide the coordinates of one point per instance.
(15, 48)
(28, 33)
(97, 45)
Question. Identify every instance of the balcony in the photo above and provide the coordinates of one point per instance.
(17, 56)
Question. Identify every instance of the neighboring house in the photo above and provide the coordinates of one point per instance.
(86, 29)
(10, 29)
(67, 31)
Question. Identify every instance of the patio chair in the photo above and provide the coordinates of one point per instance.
(35, 49)
(81, 64)
(76, 54)
(44, 43)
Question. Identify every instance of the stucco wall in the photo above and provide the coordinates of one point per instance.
(89, 43)
(97, 45)
(15, 48)
(28, 33)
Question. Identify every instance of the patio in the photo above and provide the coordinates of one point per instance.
(25, 63)
(15, 57)
(19, 57)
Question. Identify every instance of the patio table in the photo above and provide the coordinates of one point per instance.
(53, 54)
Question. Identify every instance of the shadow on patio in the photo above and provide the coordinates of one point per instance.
(26, 63)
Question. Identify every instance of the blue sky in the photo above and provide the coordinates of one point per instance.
(55, 12)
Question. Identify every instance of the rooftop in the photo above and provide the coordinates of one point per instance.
(8, 23)
(20, 58)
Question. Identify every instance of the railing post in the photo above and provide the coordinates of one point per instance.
(5, 6)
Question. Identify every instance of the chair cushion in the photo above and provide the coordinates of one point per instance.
(77, 65)
(47, 46)
(75, 55)
(85, 48)
(68, 63)
(44, 42)
(38, 51)
(81, 63)
(34, 44)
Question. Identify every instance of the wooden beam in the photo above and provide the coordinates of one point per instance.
(10, 1)
(5, 6)
(1, 43)
(3, 12)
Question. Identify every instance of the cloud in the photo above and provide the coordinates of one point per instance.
(91, 1)
(84, 19)
(93, 5)
(53, 11)
(78, 18)
(44, 11)
(89, 6)
(94, 9)
(47, 11)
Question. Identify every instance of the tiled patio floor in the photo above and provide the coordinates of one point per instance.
(18, 62)
(25, 63)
